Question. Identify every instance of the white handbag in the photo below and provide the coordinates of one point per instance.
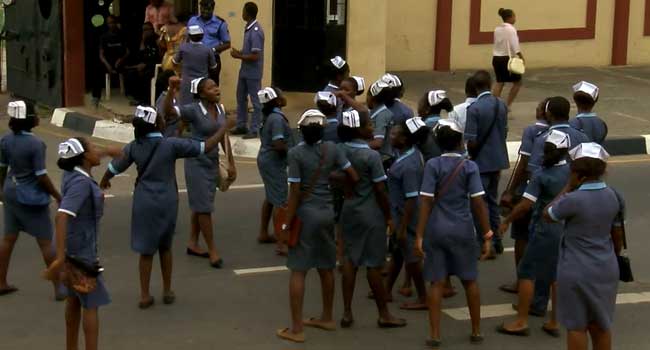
(516, 65)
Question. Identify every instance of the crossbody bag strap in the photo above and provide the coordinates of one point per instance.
(316, 175)
(483, 141)
(445, 186)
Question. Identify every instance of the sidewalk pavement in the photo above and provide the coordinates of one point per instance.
(623, 105)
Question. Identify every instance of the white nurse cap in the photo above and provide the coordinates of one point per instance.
(414, 124)
(148, 114)
(361, 84)
(392, 80)
(325, 96)
(589, 150)
(450, 123)
(194, 85)
(70, 149)
(267, 95)
(351, 119)
(311, 116)
(588, 88)
(338, 62)
(17, 110)
(436, 96)
(558, 138)
(378, 87)
(195, 30)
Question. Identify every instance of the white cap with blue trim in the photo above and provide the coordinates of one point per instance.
(338, 62)
(325, 96)
(17, 110)
(311, 116)
(589, 150)
(588, 88)
(351, 119)
(148, 114)
(434, 97)
(267, 95)
(195, 30)
(70, 149)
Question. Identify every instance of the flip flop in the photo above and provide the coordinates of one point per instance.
(346, 323)
(268, 240)
(414, 307)
(191, 252)
(476, 339)
(553, 332)
(8, 290)
(524, 332)
(143, 305)
(509, 288)
(433, 343)
(169, 298)
(315, 323)
(287, 335)
(217, 264)
(394, 324)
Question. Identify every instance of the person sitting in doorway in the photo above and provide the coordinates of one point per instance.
(113, 53)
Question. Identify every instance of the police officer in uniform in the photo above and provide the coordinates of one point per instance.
(216, 35)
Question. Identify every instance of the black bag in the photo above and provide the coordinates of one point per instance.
(624, 263)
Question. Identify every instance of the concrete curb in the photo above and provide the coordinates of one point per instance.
(117, 132)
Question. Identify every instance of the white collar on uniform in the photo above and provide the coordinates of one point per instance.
(205, 111)
(561, 163)
(333, 86)
(83, 172)
(452, 154)
(251, 25)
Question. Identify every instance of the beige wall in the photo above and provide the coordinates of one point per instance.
(596, 52)
(366, 51)
(410, 34)
(231, 11)
(638, 51)
(551, 14)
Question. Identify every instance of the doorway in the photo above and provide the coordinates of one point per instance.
(305, 35)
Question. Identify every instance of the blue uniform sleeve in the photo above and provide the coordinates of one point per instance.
(411, 181)
(186, 148)
(257, 41)
(474, 183)
(119, 165)
(277, 127)
(342, 161)
(74, 197)
(186, 113)
(534, 187)
(376, 167)
(178, 56)
(382, 122)
(295, 175)
(526, 148)
(429, 179)
(471, 124)
(38, 160)
(224, 33)
(564, 208)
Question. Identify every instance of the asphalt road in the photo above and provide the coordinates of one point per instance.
(219, 309)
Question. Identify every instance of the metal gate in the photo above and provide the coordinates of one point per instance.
(34, 50)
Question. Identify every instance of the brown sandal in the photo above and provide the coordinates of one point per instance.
(315, 323)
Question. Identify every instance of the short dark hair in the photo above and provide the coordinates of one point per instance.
(69, 163)
(326, 108)
(347, 134)
(583, 100)
(445, 104)
(589, 167)
(334, 73)
(482, 80)
(553, 155)
(141, 128)
(267, 108)
(312, 133)
(470, 87)
(411, 139)
(251, 9)
(448, 139)
(506, 13)
(559, 107)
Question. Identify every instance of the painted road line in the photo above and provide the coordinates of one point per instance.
(500, 310)
(242, 272)
(509, 250)
(247, 187)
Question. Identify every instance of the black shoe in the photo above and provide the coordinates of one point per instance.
(239, 131)
(249, 136)
(498, 247)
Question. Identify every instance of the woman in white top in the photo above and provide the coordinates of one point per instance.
(506, 45)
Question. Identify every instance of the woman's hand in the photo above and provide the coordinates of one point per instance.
(105, 184)
(52, 272)
(174, 83)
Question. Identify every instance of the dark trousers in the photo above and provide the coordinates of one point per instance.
(491, 187)
(100, 80)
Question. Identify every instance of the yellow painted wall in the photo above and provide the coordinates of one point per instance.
(410, 34)
(231, 11)
(638, 51)
(366, 52)
(596, 52)
(549, 14)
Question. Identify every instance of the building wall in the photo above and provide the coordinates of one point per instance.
(367, 43)
(410, 34)
(231, 11)
(560, 13)
(639, 41)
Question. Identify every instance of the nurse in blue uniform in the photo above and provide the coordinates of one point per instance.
(310, 164)
(587, 271)
(382, 121)
(585, 95)
(276, 138)
(155, 198)
(337, 70)
(26, 189)
(365, 218)
(327, 103)
(77, 235)
(540, 258)
(451, 194)
(430, 108)
(205, 117)
(401, 112)
(197, 59)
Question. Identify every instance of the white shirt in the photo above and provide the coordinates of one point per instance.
(459, 114)
(506, 35)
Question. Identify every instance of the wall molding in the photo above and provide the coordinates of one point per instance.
(477, 37)
(646, 21)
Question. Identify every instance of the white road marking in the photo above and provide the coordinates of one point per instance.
(247, 187)
(632, 117)
(260, 270)
(509, 250)
(500, 310)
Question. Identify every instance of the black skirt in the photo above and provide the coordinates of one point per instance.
(500, 65)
